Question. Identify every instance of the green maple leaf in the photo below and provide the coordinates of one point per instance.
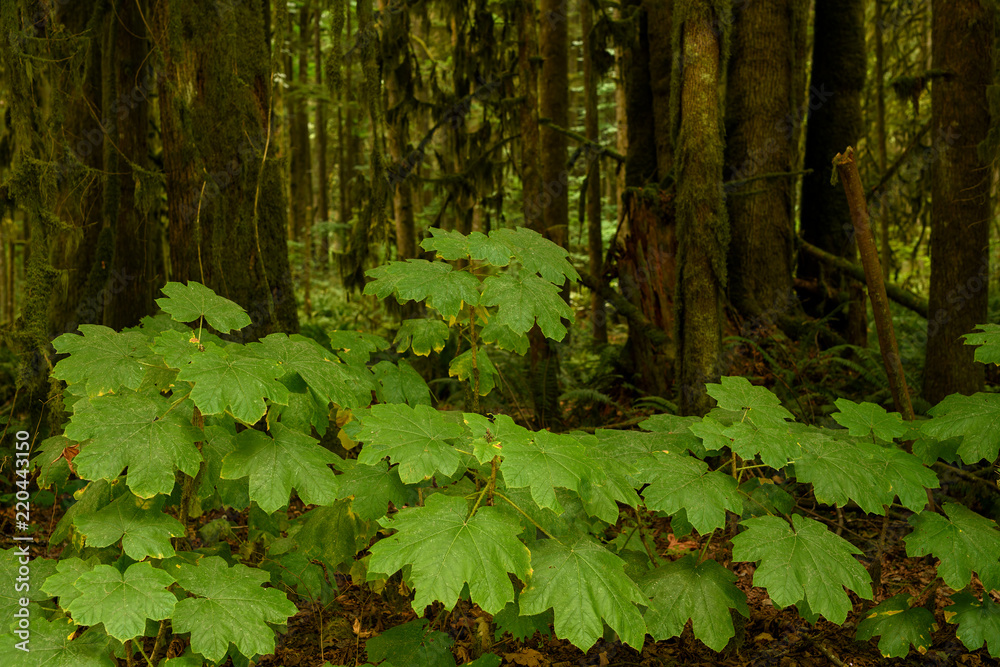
(104, 360)
(584, 583)
(277, 464)
(602, 493)
(519, 626)
(416, 438)
(436, 283)
(355, 347)
(10, 596)
(840, 470)
(412, 644)
(231, 607)
(674, 434)
(504, 337)
(965, 541)
(335, 382)
(400, 383)
(678, 481)
(461, 367)
(703, 592)
(452, 245)
(805, 563)
(178, 347)
(987, 337)
(234, 379)
(447, 550)
(122, 601)
(868, 419)
(58, 643)
(898, 625)
(187, 303)
(489, 436)
(139, 523)
(775, 445)
(62, 584)
(219, 441)
(138, 431)
(976, 419)
(978, 622)
(537, 254)
(422, 335)
(372, 487)
(50, 462)
(905, 475)
(759, 406)
(546, 461)
(525, 299)
(331, 534)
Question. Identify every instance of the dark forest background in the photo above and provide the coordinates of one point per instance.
(680, 150)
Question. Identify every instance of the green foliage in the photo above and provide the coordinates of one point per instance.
(446, 550)
(172, 422)
(978, 622)
(803, 562)
(702, 592)
(964, 542)
(898, 625)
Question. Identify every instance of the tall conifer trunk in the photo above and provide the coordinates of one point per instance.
(960, 196)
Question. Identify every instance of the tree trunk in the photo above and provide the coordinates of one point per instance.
(646, 242)
(702, 230)
(396, 70)
(595, 241)
(322, 152)
(960, 196)
(759, 141)
(242, 219)
(835, 122)
(133, 243)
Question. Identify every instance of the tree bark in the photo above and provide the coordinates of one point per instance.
(646, 241)
(834, 122)
(133, 236)
(595, 240)
(241, 214)
(702, 230)
(396, 68)
(960, 196)
(759, 141)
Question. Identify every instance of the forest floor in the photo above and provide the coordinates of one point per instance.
(772, 637)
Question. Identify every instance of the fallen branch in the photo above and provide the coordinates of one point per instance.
(900, 295)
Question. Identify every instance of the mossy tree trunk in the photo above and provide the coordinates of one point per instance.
(759, 141)
(960, 197)
(220, 90)
(83, 262)
(834, 123)
(702, 228)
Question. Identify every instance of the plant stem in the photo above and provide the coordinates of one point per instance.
(525, 515)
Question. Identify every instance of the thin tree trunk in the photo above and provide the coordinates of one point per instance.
(701, 213)
(322, 146)
(396, 68)
(595, 242)
(305, 159)
(880, 142)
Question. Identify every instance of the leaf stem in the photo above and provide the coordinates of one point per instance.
(525, 514)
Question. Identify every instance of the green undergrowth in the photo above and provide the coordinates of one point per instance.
(169, 421)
